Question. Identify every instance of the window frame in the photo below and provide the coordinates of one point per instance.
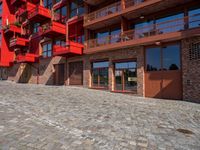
(46, 52)
(161, 55)
(98, 69)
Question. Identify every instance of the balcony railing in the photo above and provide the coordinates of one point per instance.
(11, 28)
(28, 57)
(111, 9)
(72, 48)
(39, 12)
(53, 28)
(165, 27)
(18, 42)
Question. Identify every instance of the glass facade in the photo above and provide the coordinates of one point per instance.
(163, 58)
(61, 14)
(126, 76)
(100, 74)
(76, 8)
(48, 4)
(111, 35)
(194, 18)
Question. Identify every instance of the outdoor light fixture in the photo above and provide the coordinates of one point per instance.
(141, 17)
(158, 43)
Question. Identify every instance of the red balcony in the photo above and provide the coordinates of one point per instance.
(10, 29)
(26, 58)
(69, 50)
(17, 2)
(18, 42)
(39, 14)
(53, 29)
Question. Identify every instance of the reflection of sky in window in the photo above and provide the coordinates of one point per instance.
(101, 37)
(171, 57)
(153, 59)
(115, 35)
(163, 25)
(125, 65)
(143, 28)
(100, 64)
(194, 19)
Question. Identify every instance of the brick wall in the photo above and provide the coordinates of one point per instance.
(191, 72)
(42, 72)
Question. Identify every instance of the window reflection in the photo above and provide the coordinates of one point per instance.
(171, 23)
(108, 36)
(163, 58)
(47, 50)
(171, 57)
(126, 76)
(100, 74)
(76, 8)
(153, 59)
(194, 18)
(48, 4)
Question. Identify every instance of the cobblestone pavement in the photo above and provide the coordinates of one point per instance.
(57, 118)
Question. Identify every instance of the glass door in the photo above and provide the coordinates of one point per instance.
(118, 80)
(126, 76)
(130, 79)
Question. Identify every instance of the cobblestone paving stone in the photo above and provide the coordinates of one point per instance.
(37, 117)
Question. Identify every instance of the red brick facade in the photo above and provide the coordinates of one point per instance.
(191, 72)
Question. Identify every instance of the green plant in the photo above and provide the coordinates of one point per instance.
(17, 24)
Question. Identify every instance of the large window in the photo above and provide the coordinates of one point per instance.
(61, 14)
(170, 23)
(143, 29)
(48, 4)
(47, 49)
(163, 58)
(108, 36)
(194, 18)
(36, 27)
(100, 74)
(126, 76)
(153, 59)
(61, 42)
(76, 8)
(76, 32)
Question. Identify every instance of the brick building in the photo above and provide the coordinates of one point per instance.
(146, 47)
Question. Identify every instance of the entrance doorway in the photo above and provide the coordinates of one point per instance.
(25, 73)
(163, 72)
(76, 73)
(100, 74)
(59, 74)
(126, 76)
